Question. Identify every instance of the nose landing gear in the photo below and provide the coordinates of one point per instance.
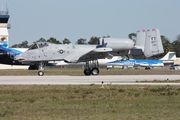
(40, 73)
(41, 67)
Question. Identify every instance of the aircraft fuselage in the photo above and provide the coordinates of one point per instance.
(72, 53)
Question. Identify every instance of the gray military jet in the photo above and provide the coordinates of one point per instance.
(42, 52)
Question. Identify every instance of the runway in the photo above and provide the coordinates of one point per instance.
(87, 80)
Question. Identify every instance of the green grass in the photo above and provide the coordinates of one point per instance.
(91, 102)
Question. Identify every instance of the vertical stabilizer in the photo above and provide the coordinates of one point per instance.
(153, 43)
(140, 37)
(169, 56)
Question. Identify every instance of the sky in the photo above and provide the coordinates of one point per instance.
(74, 19)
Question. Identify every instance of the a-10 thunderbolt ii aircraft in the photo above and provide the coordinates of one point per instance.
(42, 52)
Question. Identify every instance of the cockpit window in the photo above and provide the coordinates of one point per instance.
(40, 45)
(34, 46)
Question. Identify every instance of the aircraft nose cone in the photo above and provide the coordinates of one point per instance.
(18, 57)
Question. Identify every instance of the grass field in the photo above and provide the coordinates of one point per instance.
(90, 102)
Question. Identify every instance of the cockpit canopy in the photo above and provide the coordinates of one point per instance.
(38, 45)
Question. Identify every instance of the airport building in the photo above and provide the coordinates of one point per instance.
(4, 26)
(4, 37)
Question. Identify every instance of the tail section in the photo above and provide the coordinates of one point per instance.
(169, 56)
(10, 51)
(153, 43)
(149, 41)
(139, 43)
(140, 38)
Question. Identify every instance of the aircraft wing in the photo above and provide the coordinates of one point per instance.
(98, 53)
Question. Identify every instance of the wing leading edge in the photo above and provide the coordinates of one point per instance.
(98, 53)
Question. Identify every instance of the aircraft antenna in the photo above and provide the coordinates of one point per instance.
(102, 42)
(98, 42)
(2, 9)
(7, 9)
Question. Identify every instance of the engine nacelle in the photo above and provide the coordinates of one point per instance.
(117, 44)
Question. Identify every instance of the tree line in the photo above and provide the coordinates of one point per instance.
(25, 44)
(168, 46)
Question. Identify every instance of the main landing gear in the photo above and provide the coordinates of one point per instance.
(147, 68)
(91, 67)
